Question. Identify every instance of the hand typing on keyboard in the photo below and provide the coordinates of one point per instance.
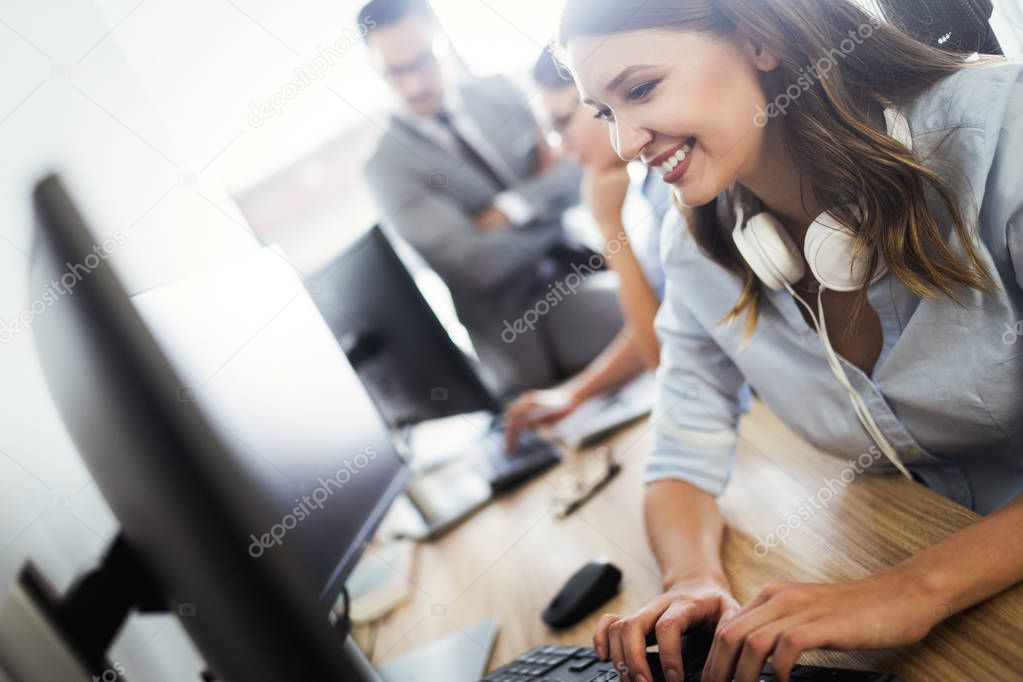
(553, 663)
(538, 407)
(688, 605)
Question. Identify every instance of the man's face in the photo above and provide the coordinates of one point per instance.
(403, 54)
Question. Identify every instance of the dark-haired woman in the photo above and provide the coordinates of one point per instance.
(854, 252)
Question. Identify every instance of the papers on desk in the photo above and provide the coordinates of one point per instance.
(380, 581)
(600, 415)
(436, 442)
(461, 657)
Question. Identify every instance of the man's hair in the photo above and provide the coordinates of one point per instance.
(380, 13)
(548, 73)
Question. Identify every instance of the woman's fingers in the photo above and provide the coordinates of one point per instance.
(632, 632)
(743, 644)
(516, 418)
(760, 644)
(601, 634)
(627, 638)
(634, 646)
(730, 638)
(617, 648)
(519, 408)
(793, 642)
(664, 619)
(669, 628)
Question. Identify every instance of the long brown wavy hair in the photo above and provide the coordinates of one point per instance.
(876, 186)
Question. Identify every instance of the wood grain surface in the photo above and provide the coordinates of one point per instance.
(507, 561)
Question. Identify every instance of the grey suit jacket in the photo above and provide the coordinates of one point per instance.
(428, 196)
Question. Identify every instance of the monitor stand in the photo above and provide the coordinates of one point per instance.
(362, 670)
(44, 636)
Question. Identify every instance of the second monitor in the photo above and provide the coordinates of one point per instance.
(404, 356)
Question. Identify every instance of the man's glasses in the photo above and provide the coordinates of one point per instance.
(421, 63)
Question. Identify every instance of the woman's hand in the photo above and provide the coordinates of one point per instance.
(603, 192)
(686, 604)
(538, 407)
(786, 619)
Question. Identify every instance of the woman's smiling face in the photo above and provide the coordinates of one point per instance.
(685, 103)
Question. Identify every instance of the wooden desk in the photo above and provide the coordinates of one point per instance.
(507, 561)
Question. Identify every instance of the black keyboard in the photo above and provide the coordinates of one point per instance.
(507, 469)
(551, 663)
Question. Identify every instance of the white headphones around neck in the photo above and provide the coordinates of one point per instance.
(829, 249)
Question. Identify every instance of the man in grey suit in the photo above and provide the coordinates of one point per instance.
(464, 175)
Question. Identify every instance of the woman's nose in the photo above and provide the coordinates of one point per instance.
(629, 140)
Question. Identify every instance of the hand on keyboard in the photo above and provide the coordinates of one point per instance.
(689, 605)
(553, 663)
(537, 407)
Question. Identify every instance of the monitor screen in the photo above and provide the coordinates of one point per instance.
(402, 353)
(260, 364)
(230, 437)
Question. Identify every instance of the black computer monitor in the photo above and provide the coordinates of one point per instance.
(402, 353)
(204, 421)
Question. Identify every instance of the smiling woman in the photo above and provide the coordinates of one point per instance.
(814, 149)
(770, 55)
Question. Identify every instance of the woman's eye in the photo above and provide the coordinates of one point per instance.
(603, 114)
(642, 90)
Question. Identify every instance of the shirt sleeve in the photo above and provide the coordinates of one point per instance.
(443, 233)
(515, 206)
(699, 390)
(1006, 186)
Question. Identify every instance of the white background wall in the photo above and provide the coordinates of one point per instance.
(144, 106)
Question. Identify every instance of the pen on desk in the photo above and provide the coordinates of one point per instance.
(612, 470)
(584, 498)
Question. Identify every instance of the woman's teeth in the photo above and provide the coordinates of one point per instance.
(677, 158)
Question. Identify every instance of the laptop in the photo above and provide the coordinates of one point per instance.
(603, 414)
(447, 421)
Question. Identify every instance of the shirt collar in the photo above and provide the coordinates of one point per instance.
(454, 105)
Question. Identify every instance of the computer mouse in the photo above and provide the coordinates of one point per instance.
(585, 591)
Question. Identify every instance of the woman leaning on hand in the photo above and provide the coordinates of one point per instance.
(853, 250)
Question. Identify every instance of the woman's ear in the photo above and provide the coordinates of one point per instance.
(759, 54)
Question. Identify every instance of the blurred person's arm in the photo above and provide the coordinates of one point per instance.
(604, 193)
(553, 190)
(619, 362)
(633, 349)
(545, 194)
(553, 185)
(444, 233)
(491, 218)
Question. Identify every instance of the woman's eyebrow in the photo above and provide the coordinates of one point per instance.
(625, 73)
(616, 81)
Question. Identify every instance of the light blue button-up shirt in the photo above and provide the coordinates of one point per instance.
(947, 390)
(647, 204)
